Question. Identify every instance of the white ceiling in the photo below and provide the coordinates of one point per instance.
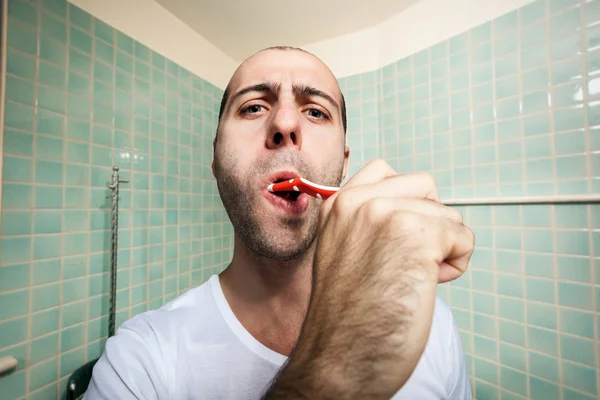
(241, 27)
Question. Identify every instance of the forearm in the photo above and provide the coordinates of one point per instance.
(303, 378)
(343, 370)
(344, 356)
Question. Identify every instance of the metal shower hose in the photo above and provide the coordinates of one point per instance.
(114, 186)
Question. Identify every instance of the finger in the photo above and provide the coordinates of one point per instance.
(461, 246)
(441, 236)
(374, 171)
(378, 170)
(380, 207)
(415, 186)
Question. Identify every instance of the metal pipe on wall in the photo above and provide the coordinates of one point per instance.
(114, 248)
(490, 201)
(3, 45)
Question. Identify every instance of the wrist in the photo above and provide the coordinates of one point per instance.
(308, 374)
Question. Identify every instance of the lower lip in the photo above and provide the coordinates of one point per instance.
(291, 207)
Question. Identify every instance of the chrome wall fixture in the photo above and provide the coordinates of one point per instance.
(114, 242)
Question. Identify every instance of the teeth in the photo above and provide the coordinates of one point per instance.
(291, 180)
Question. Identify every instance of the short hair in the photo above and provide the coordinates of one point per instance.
(226, 93)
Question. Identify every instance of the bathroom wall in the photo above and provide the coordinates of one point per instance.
(80, 98)
(507, 108)
(148, 22)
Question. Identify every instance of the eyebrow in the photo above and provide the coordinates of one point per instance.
(272, 88)
(309, 91)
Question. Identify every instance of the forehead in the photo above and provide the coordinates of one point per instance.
(286, 67)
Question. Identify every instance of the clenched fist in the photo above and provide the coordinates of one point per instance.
(385, 241)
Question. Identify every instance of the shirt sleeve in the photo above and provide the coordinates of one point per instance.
(129, 367)
(459, 377)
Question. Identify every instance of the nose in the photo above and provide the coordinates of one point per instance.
(285, 129)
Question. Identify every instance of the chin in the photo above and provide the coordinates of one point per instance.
(280, 244)
(282, 254)
(284, 248)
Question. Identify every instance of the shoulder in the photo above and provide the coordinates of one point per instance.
(443, 325)
(187, 308)
(440, 372)
(441, 334)
(136, 362)
(156, 324)
(442, 312)
(446, 343)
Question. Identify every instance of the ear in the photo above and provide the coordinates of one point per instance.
(346, 157)
(212, 165)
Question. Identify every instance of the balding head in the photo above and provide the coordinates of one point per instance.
(227, 92)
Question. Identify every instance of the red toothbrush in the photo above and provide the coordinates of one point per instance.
(304, 186)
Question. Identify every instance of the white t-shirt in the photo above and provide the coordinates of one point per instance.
(195, 348)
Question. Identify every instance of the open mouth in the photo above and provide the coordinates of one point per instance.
(287, 195)
(292, 202)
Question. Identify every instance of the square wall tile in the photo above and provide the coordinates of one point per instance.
(19, 301)
(44, 322)
(578, 350)
(43, 374)
(542, 389)
(578, 376)
(543, 366)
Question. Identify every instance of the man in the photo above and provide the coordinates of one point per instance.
(326, 299)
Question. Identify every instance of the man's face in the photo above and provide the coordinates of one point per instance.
(282, 120)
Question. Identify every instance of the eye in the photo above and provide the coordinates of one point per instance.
(313, 112)
(252, 109)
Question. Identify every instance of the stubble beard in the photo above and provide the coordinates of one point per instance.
(280, 239)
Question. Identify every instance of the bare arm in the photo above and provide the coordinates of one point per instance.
(376, 266)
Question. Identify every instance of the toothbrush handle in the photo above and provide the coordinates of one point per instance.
(300, 185)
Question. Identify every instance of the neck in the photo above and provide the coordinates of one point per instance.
(269, 297)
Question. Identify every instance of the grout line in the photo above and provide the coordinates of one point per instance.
(495, 141)
(468, 209)
(493, 211)
(498, 193)
(63, 193)
(31, 210)
(552, 207)
(89, 179)
(411, 90)
(519, 208)
(449, 112)
(3, 69)
(589, 208)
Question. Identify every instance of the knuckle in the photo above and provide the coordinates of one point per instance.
(407, 221)
(429, 178)
(373, 208)
(379, 162)
(456, 214)
(471, 236)
(343, 202)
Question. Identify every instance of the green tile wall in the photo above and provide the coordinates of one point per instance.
(80, 98)
(509, 108)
